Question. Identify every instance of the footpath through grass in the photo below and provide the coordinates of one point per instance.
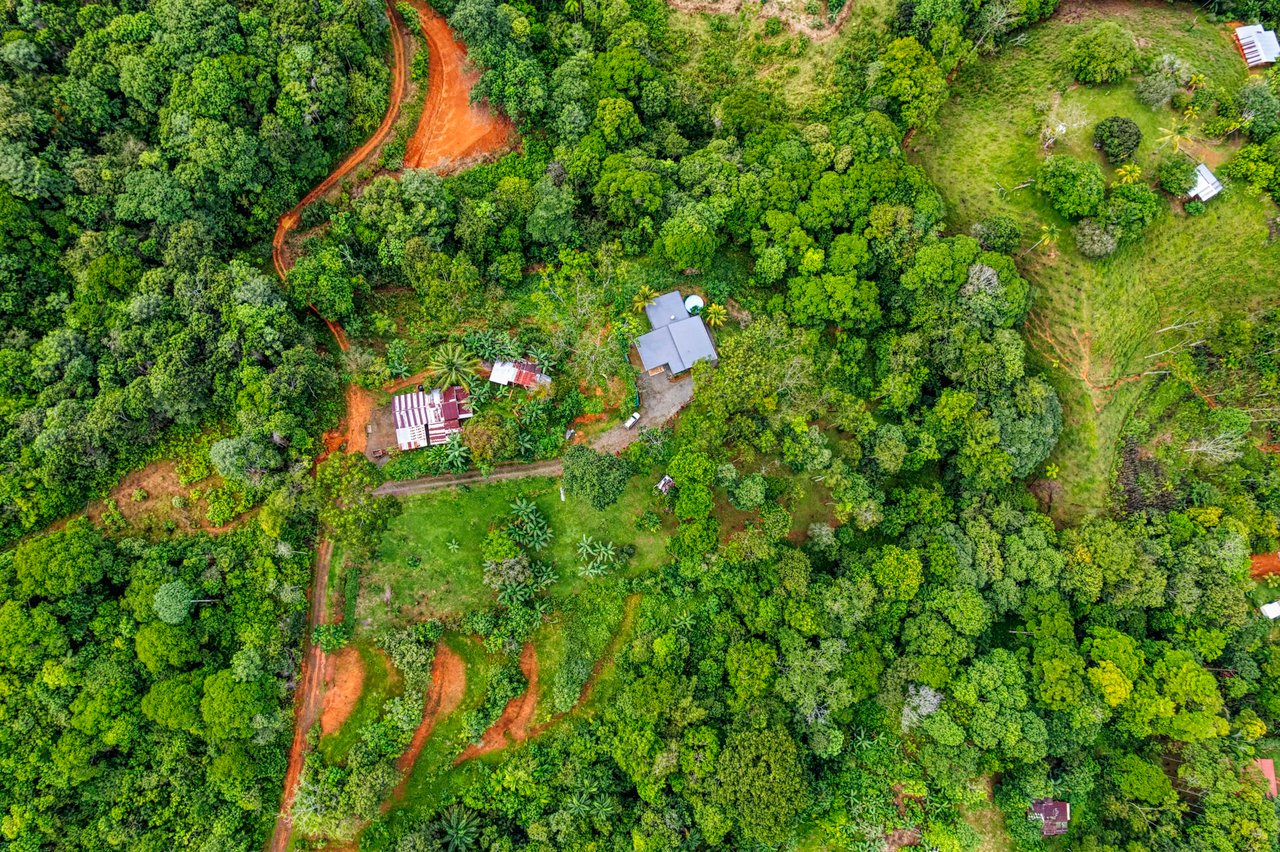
(1093, 324)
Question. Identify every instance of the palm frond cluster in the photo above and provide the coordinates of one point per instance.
(600, 557)
(529, 527)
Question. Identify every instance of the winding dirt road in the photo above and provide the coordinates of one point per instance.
(451, 134)
(452, 130)
(399, 81)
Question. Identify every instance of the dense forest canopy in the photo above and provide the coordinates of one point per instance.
(846, 683)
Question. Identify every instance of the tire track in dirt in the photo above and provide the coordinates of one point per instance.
(452, 130)
(399, 80)
(308, 698)
(516, 716)
(448, 685)
(342, 690)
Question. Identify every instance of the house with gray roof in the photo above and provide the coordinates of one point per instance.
(678, 340)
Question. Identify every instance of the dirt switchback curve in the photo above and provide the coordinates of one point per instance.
(452, 131)
(399, 80)
(516, 716)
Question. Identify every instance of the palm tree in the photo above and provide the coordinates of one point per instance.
(1129, 173)
(1191, 113)
(643, 297)
(461, 829)
(1175, 137)
(456, 453)
(1048, 236)
(525, 510)
(538, 536)
(1196, 82)
(573, 8)
(714, 315)
(451, 364)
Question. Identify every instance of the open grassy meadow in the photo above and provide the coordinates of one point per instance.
(1096, 325)
(720, 50)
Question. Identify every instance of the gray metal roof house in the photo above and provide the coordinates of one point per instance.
(677, 341)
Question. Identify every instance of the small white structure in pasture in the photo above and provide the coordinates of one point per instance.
(1271, 610)
(1207, 186)
(1259, 46)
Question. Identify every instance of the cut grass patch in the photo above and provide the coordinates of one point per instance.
(1093, 324)
(445, 530)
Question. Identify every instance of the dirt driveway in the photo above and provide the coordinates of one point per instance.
(660, 400)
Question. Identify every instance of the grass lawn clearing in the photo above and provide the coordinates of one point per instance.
(1094, 324)
(445, 530)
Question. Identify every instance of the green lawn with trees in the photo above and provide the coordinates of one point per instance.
(1094, 323)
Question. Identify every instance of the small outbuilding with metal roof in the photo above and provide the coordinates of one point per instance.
(1207, 185)
(1258, 46)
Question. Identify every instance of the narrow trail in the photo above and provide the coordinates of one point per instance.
(448, 685)
(308, 699)
(552, 467)
(516, 716)
(610, 653)
(399, 81)
(451, 133)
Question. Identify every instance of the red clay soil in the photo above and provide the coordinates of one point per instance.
(628, 615)
(452, 131)
(399, 79)
(516, 716)
(448, 684)
(1264, 565)
(307, 699)
(342, 689)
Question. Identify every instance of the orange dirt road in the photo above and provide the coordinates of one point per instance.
(452, 131)
(399, 80)
(516, 716)
(342, 692)
(311, 678)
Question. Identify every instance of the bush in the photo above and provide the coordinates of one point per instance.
(1130, 209)
(1118, 137)
(1194, 208)
(1093, 239)
(1257, 100)
(1074, 188)
(1179, 100)
(1176, 175)
(330, 637)
(1103, 54)
(1156, 90)
(597, 477)
(998, 233)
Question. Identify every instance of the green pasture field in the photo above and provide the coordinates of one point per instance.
(1095, 325)
(449, 582)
